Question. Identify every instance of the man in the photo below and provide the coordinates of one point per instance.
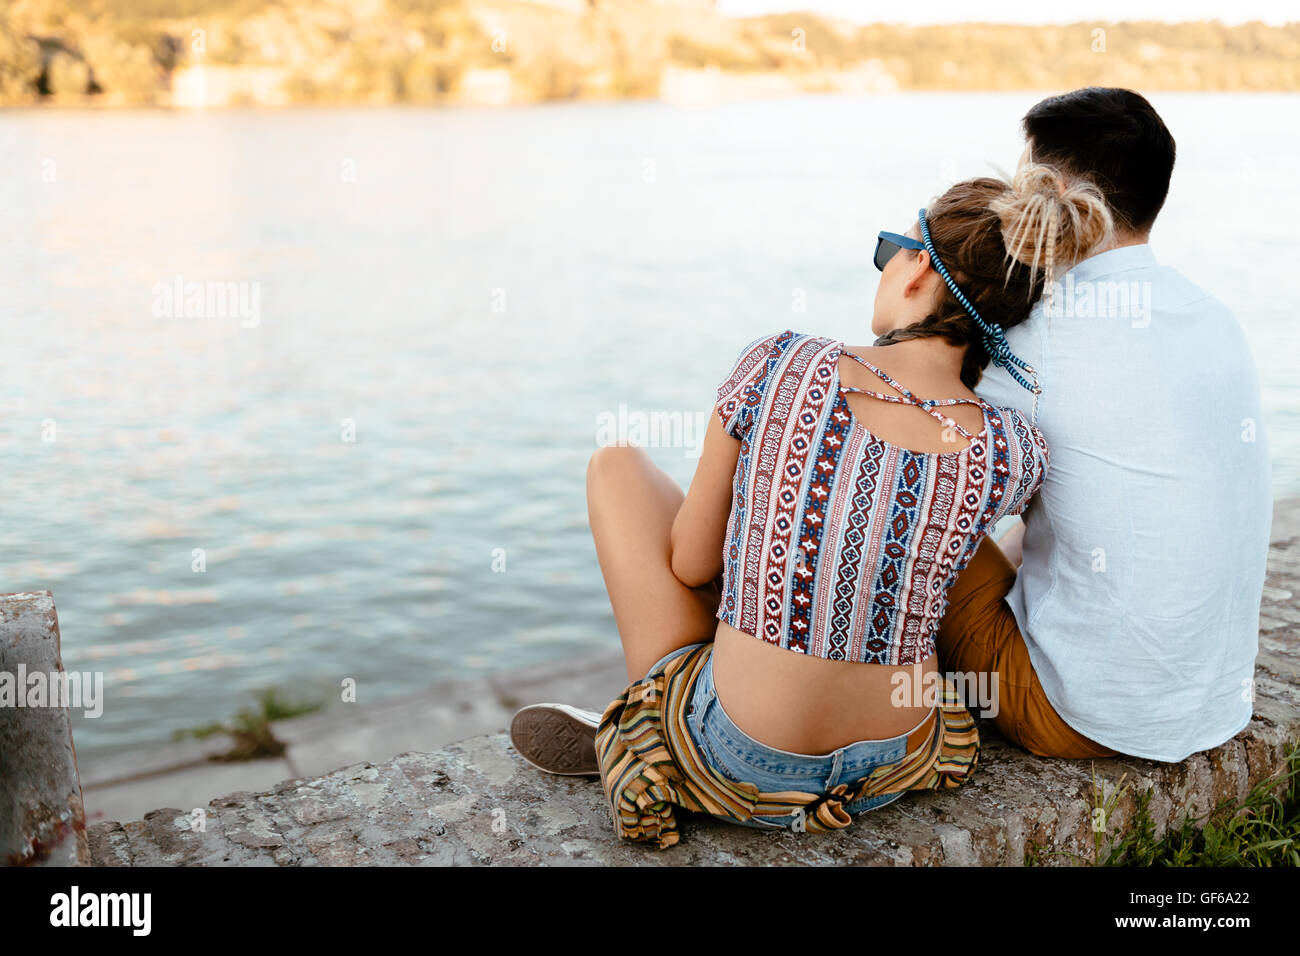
(1132, 625)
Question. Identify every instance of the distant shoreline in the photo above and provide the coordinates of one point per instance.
(519, 52)
(91, 106)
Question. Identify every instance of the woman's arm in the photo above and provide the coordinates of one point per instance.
(701, 522)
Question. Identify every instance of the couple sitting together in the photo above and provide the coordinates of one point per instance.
(834, 558)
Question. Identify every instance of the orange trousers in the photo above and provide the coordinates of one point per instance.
(979, 635)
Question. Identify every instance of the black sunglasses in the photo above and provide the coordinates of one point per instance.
(888, 244)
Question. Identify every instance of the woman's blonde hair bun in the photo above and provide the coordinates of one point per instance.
(1049, 221)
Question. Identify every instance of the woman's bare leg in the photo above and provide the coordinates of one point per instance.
(631, 504)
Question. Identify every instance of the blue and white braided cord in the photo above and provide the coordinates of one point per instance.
(995, 339)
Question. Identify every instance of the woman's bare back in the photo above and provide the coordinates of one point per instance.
(811, 705)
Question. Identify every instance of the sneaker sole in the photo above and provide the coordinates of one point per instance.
(554, 741)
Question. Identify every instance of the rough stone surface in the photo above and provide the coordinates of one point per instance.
(477, 803)
(126, 786)
(42, 820)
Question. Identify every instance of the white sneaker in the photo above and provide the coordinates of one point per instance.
(557, 738)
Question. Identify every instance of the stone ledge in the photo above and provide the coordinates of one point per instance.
(477, 802)
(125, 787)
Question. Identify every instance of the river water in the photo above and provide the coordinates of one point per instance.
(358, 450)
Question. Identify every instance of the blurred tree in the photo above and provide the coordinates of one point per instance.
(67, 75)
(20, 64)
(123, 71)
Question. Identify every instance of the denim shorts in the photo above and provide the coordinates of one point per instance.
(741, 758)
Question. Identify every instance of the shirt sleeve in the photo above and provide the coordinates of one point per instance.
(740, 396)
(1035, 461)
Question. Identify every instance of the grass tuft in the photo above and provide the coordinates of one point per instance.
(1262, 830)
(250, 729)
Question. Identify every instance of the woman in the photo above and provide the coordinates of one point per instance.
(790, 599)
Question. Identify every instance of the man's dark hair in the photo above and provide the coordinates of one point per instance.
(1114, 138)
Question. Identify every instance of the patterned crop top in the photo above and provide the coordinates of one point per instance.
(841, 545)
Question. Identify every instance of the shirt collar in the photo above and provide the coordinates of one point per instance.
(1123, 259)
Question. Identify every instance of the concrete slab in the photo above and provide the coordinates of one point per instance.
(181, 775)
(42, 820)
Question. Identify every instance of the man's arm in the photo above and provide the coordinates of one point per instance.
(1012, 544)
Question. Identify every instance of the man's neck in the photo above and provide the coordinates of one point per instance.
(1126, 237)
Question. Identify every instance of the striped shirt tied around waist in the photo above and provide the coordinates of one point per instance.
(649, 763)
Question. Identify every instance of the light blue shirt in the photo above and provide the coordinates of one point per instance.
(1145, 548)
